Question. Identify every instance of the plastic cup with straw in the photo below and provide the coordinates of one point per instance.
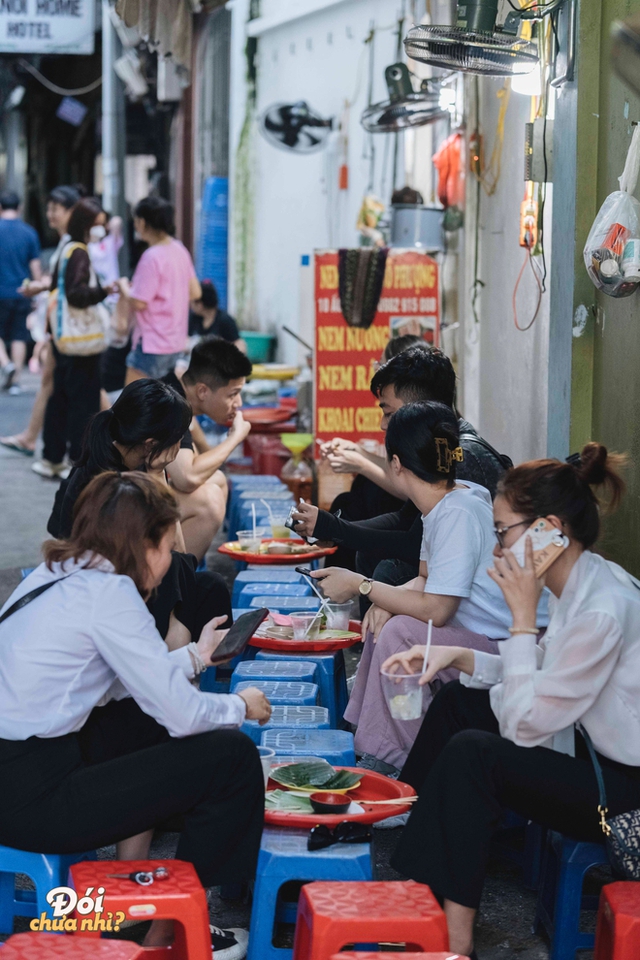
(403, 691)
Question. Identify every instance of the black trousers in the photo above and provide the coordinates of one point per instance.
(123, 774)
(75, 399)
(466, 774)
(194, 598)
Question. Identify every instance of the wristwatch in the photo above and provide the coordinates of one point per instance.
(365, 587)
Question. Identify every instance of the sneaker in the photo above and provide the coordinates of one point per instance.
(390, 823)
(15, 390)
(52, 471)
(7, 374)
(368, 762)
(229, 944)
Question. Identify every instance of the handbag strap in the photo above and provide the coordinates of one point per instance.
(28, 597)
(602, 793)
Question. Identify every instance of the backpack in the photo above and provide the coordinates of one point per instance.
(502, 458)
(76, 331)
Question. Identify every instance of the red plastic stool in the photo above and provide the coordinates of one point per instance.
(332, 914)
(180, 897)
(618, 928)
(47, 946)
(356, 955)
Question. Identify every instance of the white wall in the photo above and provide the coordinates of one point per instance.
(504, 373)
(321, 58)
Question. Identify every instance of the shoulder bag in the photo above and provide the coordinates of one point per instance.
(28, 597)
(622, 832)
(77, 331)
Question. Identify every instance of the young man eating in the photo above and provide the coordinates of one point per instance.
(212, 384)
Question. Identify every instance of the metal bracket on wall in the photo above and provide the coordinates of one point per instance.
(538, 151)
(571, 35)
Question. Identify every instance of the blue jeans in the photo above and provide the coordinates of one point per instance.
(154, 365)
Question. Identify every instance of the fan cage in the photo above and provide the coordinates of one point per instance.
(491, 54)
(415, 110)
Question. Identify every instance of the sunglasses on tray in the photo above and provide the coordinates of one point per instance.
(348, 831)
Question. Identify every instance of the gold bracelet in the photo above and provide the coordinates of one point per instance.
(530, 630)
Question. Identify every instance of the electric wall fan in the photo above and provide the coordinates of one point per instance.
(475, 45)
(294, 126)
(404, 108)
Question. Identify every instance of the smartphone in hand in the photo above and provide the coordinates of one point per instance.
(548, 544)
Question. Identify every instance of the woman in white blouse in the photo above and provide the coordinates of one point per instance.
(102, 734)
(504, 735)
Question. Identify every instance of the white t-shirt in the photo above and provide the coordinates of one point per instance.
(457, 545)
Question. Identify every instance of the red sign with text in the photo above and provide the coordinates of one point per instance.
(345, 356)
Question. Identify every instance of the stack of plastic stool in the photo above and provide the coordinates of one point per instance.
(331, 915)
(284, 857)
(286, 604)
(48, 946)
(374, 955)
(274, 670)
(287, 717)
(564, 865)
(264, 575)
(283, 692)
(47, 870)
(618, 929)
(334, 746)
(251, 590)
(180, 897)
(331, 679)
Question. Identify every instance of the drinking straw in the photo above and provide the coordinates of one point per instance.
(426, 649)
(269, 509)
(253, 514)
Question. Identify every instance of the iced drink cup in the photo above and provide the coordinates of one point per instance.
(266, 759)
(404, 695)
(306, 626)
(338, 615)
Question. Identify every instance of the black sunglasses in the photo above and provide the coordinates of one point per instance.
(348, 831)
(500, 531)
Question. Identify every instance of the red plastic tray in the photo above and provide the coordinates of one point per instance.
(374, 786)
(265, 416)
(275, 558)
(289, 645)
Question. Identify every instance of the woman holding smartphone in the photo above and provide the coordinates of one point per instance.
(102, 734)
(453, 589)
(504, 735)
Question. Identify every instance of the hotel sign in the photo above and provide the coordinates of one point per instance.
(47, 26)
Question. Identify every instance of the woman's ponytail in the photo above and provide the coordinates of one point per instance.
(98, 451)
(599, 468)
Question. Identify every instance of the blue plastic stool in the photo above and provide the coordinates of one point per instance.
(265, 575)
(284, 857)
(560, 900)
(287, 604)
(287, 717)
(527, 854)
(274, 670)
(331, 678)
(334, 746)
(47, 870)
(281, 692)
(251, 590)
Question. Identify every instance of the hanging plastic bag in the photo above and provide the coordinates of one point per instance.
(612, 251)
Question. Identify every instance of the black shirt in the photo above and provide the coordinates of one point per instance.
(223, 326)
(398, 536)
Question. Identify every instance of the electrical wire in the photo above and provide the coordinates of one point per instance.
(528, 260)
(53, 87)
(490, 176)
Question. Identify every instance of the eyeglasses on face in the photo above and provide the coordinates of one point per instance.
(500, 531)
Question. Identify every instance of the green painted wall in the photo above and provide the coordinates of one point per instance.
(606, 358)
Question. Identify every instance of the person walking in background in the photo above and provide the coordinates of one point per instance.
(20, 259)
(163, 284)
(59, 206)
(76, 382)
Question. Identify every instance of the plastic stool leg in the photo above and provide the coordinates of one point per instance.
(7, 897)
(263, 913)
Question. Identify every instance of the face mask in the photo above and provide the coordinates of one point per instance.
(97, 234)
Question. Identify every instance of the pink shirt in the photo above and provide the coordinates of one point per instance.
(161, 279)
